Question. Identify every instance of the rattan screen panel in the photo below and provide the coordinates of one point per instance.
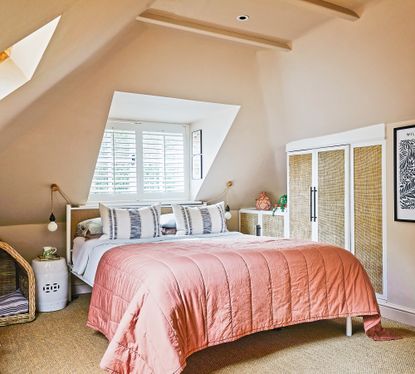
(331, 195)
(248, 223)
(300, 181)
(273, 226)
(368, 239)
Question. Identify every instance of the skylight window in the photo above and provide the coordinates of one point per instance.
(19, 62)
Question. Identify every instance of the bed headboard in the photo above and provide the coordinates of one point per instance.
(74, 215)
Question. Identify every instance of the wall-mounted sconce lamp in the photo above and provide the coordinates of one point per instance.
(53, 226)
(228, 214)
(224, 195)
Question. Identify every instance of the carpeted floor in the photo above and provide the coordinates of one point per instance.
(59, 342)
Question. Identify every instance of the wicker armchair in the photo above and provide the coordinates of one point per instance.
(16, 273)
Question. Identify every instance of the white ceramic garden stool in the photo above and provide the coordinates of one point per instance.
(51, 284)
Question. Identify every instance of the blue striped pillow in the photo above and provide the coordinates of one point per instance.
(13, 303)
(137, 223)
(200, 220)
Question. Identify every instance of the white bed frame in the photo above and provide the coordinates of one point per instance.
(74, 215)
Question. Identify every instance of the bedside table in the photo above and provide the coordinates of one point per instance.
(51, 284)
(270, 225)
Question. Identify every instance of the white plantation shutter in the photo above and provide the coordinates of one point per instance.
(142, 161)
(116, 169)
(163, 162)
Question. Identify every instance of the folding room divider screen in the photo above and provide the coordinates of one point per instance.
(368, 237)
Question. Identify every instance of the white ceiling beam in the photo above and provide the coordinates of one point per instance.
(329, 8)
(186, 24)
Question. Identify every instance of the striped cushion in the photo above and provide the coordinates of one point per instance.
(130, 223)
(200, 220)
(13, 303)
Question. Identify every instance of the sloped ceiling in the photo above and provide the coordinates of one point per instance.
(88, 26)
(135, 106)
(281, 19)
(267, 17)
(68, 121)
(51, 127)
(85, 28)
(21, 18)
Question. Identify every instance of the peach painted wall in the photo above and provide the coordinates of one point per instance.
(345, 75)
(340, 76)
(64, 127)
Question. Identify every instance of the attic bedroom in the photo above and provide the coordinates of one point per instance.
(206, 186)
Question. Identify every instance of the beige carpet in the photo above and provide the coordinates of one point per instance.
(59, 342)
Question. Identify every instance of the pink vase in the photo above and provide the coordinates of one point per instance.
(263, 202)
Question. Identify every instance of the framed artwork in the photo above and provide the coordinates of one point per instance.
(197, 142)
(197, 168)
(404, 162)
(197, 159)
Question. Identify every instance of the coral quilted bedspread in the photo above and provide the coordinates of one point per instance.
(157, 303)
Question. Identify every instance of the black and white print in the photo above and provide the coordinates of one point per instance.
(405, 173)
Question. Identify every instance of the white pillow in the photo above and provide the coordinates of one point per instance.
(168, 221)
(200, 220)
(91, 226)
(135, 223)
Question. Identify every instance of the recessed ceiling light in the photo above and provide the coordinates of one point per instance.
(243, 18)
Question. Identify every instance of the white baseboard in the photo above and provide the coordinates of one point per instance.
(78, 289)
(397, 313)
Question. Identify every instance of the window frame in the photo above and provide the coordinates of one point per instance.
(139, 127)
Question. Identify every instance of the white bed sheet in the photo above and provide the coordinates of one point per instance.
(78, 243)
(89, 252)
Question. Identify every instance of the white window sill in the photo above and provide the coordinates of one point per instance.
(141, 203)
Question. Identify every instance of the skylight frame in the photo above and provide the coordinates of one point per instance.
(23, 58)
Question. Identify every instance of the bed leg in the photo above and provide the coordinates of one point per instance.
(349, 328)
(70, 287)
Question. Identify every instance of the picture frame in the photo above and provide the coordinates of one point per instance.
(197, 167)
(404, 173)
(197, 142)
(197, 158)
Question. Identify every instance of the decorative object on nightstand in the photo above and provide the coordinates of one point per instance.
(49, 253)
(281, 204)
(51, 282)
(263, 202)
